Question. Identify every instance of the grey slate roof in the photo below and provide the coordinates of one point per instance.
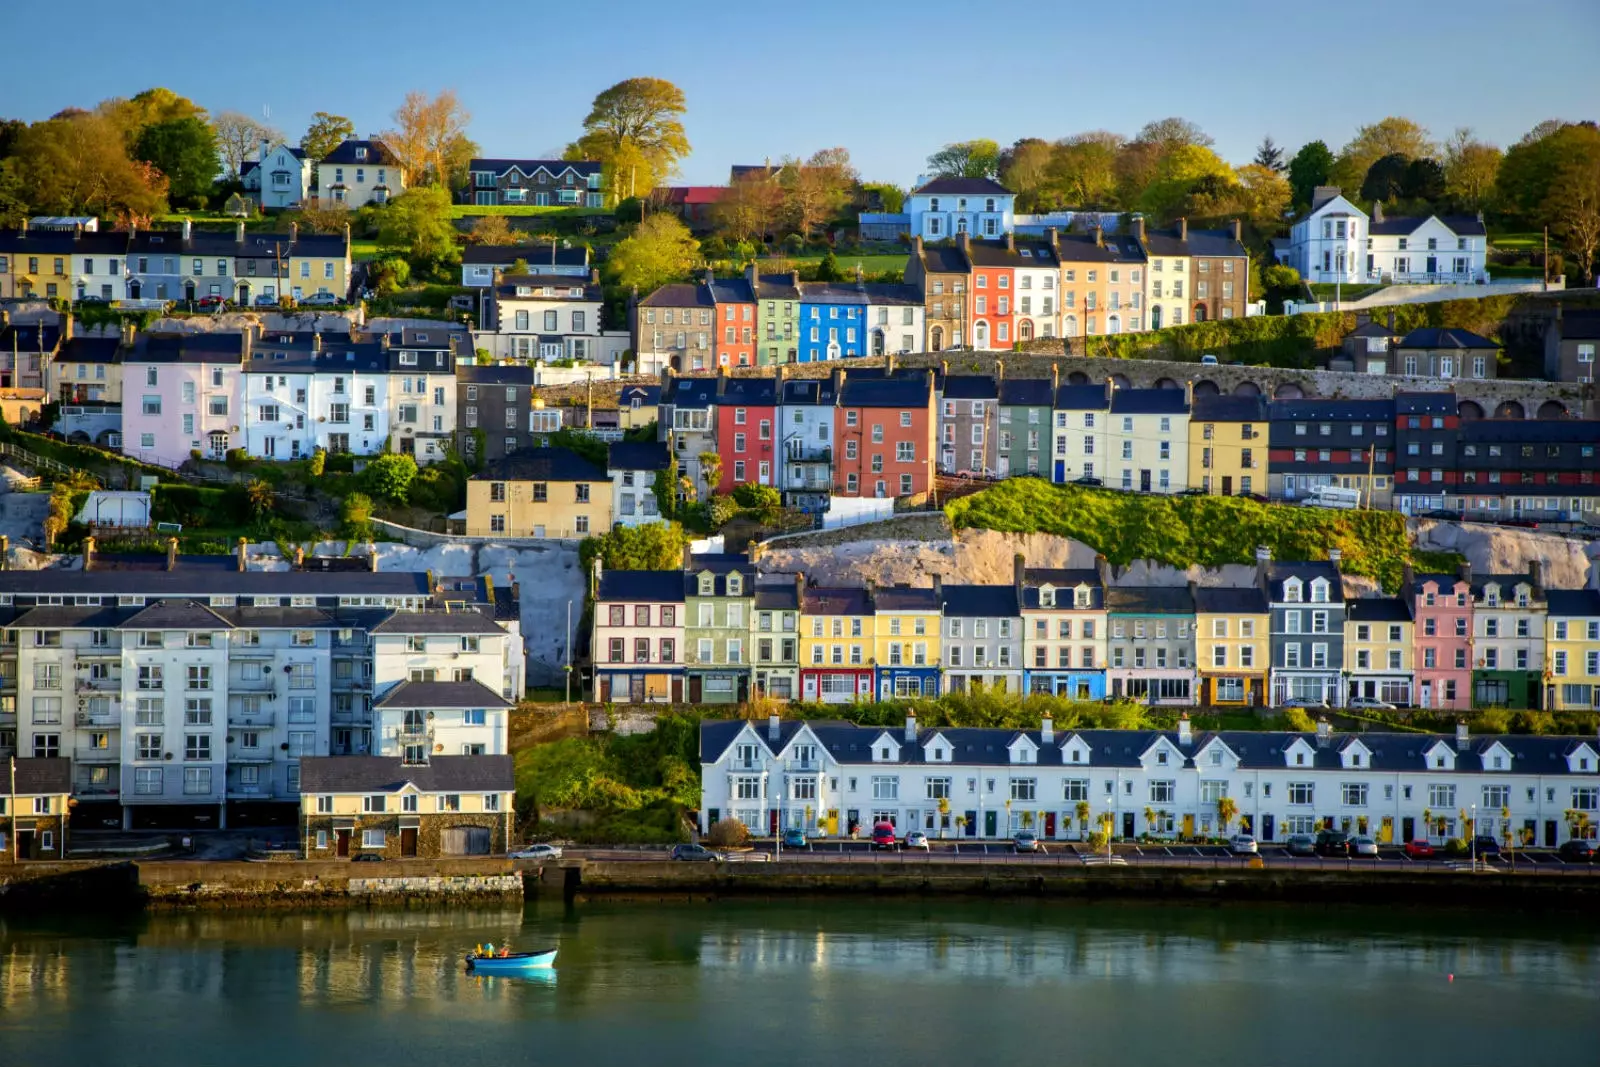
(36, 776)
(1332, 410)
(1062, 578)
(471, 621)
(647, 395)
(1081, 397)
(637, 456)
(473, 694)
(1149, 600)
(1444, 337)
(970, 387)
(205, 576)
(91, 350)
(388, 774)
(777, 597)
(52, 617)
(1229, 408)
(1583, 602)
(1025, 392)
(1278, 573)
(885, 393)
(816, 392)
(534, 255)
(839, 600)
(905, 598)
(691, 392)
(529, 166)
(495, 374)
(218, 347)
(748, 392)
(678, 294)
(1378, 609)
(980, 601)
(541, 465)
(664, 587)
(1149, 401)
(1425, 403)
(1230, 600)
(720, 564)
(1461, 225)
(378, 154)
(962, 186)
(176, 615)
(945, 259)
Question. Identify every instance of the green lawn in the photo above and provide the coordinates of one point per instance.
(847, 263)
(467, 211)
(1324, 291)
(1517, 241)
(363, 248)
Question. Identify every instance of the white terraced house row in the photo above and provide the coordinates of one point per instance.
(833, 779)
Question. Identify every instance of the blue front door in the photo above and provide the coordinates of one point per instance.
(1061, 471)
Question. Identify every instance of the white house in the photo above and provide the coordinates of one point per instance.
(98, 262)
(895, 318)
(833, 779)
(280, 175)
(543, 316)
(633, 467)
(308, 391)
(359, 173)
(1338, 242)
(422, 389)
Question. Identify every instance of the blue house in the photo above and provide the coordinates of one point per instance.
(833, 321)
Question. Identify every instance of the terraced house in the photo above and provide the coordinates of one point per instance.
(982, 645)
(1150, 648)
(1441, 604)
(541, 493)
(637, 641)
(1572, 646)
(1308, 625)
(1232, 646)
(775, 638)
(1379, 651)
(837, 644)
(1508, 613)
(1228, 445)
(536, 182)
(1064, 631)
(1023, 438)
(719, 596)
(908, 635)
(969, 414)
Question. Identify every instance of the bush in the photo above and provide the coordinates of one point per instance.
(728, 833)
(319, 462)
(355, 517)
(237, 459)
(438, 488)
(763, 500)
(652, 547)
(389, 477)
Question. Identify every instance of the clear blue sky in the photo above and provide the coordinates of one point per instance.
(891, 81)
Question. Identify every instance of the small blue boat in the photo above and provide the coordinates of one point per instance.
(512, 963)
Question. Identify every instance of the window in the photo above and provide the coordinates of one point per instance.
(1302, 793)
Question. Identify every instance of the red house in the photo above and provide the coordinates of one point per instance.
(747, 419)
(883, 433)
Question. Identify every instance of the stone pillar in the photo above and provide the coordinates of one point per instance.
(222, 815)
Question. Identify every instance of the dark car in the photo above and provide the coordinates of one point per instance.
(90, 298)
(1442, 514)
(1525, 524)
(1196, 491)
(1333, 843)
(795, 839)
(1484, 845)
(368, 857)
(694, 853)
(1088, 481)
(1257, 497)
(1301, 845)
(1576, 850)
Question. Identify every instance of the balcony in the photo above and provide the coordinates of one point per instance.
(403, 736)
(802, 766)
(352, 684)
(259, 791)
(350, 716)
(254, 685)
(808, 454)
(99, 685)
(111, 719)
(85, 754)
(239, 754)
(97, 790)
(252, 719)
(251, 652)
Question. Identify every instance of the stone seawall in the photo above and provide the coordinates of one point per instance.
(255, 885)
(1223, 884)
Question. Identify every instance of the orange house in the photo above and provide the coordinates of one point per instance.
(734, 338)
(993, 295)
(883, 433)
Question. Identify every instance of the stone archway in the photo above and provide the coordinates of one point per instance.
(1166, 383)
(1469, 410)
(1121, 381)
(1206, 387)
(1552, 409)
(1510, 409)
(936, 339)
(1288, 391)
(1247, 389)
(1077, 377)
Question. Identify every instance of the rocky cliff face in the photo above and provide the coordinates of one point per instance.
(1569, 562)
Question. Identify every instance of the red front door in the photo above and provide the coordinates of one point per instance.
(1049, 824)
(772, 821)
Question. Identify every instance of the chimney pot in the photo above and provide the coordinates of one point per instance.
(774, 726)
(1047, 730)
(172, 553)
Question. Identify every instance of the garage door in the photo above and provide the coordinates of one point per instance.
(465, 841)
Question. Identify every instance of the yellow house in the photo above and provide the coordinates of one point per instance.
(1572, 650)
(34, 795)
(539, 492)
(382, 806)
(317, 263)
(86, 370)
(837, 630)
(908, 625)
(636, 405)
(36, 263)
(1147, 440)
(1228, 445)
(1232, 636)
(1378, 657)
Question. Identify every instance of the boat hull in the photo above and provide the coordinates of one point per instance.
(520, 963)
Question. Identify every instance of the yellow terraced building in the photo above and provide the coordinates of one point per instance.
(1228, 445)
(539, 492)
(1572, 650)
(1232, 645)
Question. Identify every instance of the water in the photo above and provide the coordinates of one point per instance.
(813, 982)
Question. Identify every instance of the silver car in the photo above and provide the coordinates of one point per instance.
(917, 839)
(536, 852)
(1242, 845)
(1361, 845)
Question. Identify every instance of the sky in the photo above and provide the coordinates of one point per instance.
(890, 81)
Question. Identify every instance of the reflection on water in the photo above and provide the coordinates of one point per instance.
(633, 981)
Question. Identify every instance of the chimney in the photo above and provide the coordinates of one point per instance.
(794, 276)
(1055, 380)
(964, 242)
(944, 367)
(710, 278)
(172, 553)
(88, 553)
(688, 557)
(1019, 573)
(1335, 555)
(1099, 237)
(774, 726)
(1464, 572)
(299, 558)
(1324, 731)
(1011, 242)
(1377, 211)
(888, 365)
(911, 729)
(1236, 230)
(1408, 579)
(240, 555)
(1185, 731)
(372, 562)
(1183, 229)
(188, 229)
(1102, 569)
(238, 232)
(1263, 561)
(916, 246)
(5, 552)
(1047, 731)
(799, 591)
(1536, 576)
(1463, 735)
(938, 589)
(316, 340)
(1138, 229)
(750, 274)
(66, 326)
(294, 232)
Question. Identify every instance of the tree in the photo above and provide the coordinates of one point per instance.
(1311, 166)
(1528, 174)
(1393, 136)
(80, 166)
(492, 230)
(239, 139)
(653, 546)
(1227, 811)
(322, 216)
(1423, 180)
(389, 476)
(635, 130)
(764, 500)
(326, 132)
(1172, 133)
(1269, 155)
(1023, 170)
(1176, 175)
(749, 210)
(816, 190)
(185, 151)
(417, 224)
(430, 137)
(1264, 194)
(891, 198)
(355, 516)
(1082, 170)
(259, 495)
(1470, 167)
(710, 471)
(828, 269)
(1385, 179)
(660, 250)
(1573, 208)
(966, 159)
(148, 108)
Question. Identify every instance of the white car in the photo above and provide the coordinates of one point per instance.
(917, 839)
(1371, 704)
(536, 852)
(1242, 845)
(1361, 845)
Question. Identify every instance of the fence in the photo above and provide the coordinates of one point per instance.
(416, 538)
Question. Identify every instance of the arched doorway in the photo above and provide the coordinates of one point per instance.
(1510, 409)
(1077, 377)
(1113, 324)
(1069, 326)
(980, 335)
(1247, 389)
(188, 292)
(1121, 381)
(834, 352)
(134, 289)
(1199, 313)
(1025, 330)
(1288, 391)
(1552, 409)
(936, 339)
(1155, 317)
(1206, 387)
(877, 342)
(1469, 410)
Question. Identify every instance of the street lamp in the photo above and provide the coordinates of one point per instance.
(1473, 823)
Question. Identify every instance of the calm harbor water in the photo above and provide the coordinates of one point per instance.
(828, 981)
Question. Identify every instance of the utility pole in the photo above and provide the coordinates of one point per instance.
(1547, 258)
(569, 652)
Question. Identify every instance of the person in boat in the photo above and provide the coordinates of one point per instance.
(488, 949)
(505, 950)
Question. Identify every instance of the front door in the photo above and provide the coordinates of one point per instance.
(744, 690)
(695, 688)
(1433, 264)
(1188, 827)
(1408, 827)
(1144, 481)
(636, 688)
(1127, 826)
(603, 691)
(677, 690)
(342, 843)
(970, 826)
(772, 821)
(1386, 831)
(408, 841)
(25, 844)
(1549, 833)
(1266, 827)
(1049, 824)
(990, 823)
(1227, 485)
(1061, 472)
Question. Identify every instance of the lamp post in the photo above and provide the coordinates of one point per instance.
(1473, 824)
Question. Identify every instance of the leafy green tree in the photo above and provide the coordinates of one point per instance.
(635, 130)
(389, 476)
(653, 546)
(891, 198)
(417, 225)
(1176, 175)
(1083, 171)
(318, 462)
(1024, 168)
(389, 274)
(326, 132)
(1573, 208)
(659, 251)
(1470, 167)
(710, 471)
(1393, 136)
(966, 159)
(1423, 180)
(185, 150)
(828, 269)
(80, 166)
(764, 500)
(1311, 166)
(1174, 132)
(1385, 179)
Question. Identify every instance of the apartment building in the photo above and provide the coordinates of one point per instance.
(539, 492)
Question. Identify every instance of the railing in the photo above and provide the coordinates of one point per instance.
(252, 719)
(236, 754)
(111, 719)
(84, 754)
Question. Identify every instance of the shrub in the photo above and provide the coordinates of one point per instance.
(728, 833)
(355, 517)
(319, 462)
(389, 476)
(764, 500)
(237, 459)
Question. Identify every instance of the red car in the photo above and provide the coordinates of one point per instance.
(211, 302)
(1419, 850)
(883, 836)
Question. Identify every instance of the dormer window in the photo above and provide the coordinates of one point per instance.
(1438, 762)
(361, 154)
(706, 583)
(1355, 759)
(1291, 591)
(1047, 597)
(883, 753)
(1077, 755)
(1216, 757)
(1083, 598)
(733, 585)
(1319, 591)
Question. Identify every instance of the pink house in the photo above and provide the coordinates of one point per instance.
(1442, 608)
(183, 393)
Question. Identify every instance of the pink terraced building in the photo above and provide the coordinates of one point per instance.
(1441, 605)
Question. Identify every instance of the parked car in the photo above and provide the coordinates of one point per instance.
(1304, 702)
(367, 857)
(1442, 514)
(1301, 845)
(1419, 850)
(318, 300)
(1243, 845)
(1088, 480)
(265, 301)
(536, 852)
(211, 302)
(1362, 845)
(795, 839)
(1208, 361)
(917, 839)
(91, 298)
(1525, 524)
(1576, 850)
(694, 854)
(1371, 703)
(1026, 841)
(1484, 845)
(1257, 497)
(883, 836)
(1332, 843)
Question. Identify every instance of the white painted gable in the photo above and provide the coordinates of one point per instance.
(1214, 755)
(1583, 759)
(1440, 756)
(1023, 750)
(1299, 753)
(1355, 755)
(1161, 755)
(937, 749)
(1077, 752)
(1497, 757)
(885, 749)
